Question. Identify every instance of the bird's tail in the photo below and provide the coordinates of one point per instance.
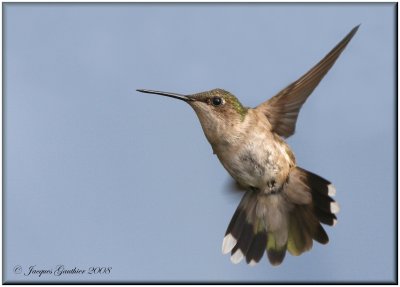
(286, 220)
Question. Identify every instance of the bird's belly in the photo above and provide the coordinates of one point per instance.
(255, 165)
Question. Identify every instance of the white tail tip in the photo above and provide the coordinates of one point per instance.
(253, 263)
(228, 243)
(334, 207)
(331, 190)
(237, 257)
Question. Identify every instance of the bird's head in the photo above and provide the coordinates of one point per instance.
(218, 110)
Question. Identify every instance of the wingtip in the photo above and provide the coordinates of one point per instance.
(354, 30)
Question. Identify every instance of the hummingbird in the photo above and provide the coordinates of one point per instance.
(284, 205)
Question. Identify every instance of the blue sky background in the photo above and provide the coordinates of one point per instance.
(96, 174)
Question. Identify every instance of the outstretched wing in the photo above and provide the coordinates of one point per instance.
(282, 110)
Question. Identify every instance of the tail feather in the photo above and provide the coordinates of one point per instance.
(288, 220)
(234, 228)
(245, 236)
(305, 220)
(257, 248)
(245, 239)
(310, 225)
(322, 202)
(320, 235)
(276, 253)
(299, 239)
(239, 225)
(325, 217)
(233, 221)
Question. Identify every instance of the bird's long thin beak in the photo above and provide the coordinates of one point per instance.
(172, 95)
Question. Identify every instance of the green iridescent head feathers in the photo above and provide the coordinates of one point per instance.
(230, 101)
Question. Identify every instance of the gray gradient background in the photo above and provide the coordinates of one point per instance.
(96, 174)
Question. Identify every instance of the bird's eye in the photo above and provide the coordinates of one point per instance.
(216, 101)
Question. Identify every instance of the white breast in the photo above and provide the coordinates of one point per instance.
(251, 154)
